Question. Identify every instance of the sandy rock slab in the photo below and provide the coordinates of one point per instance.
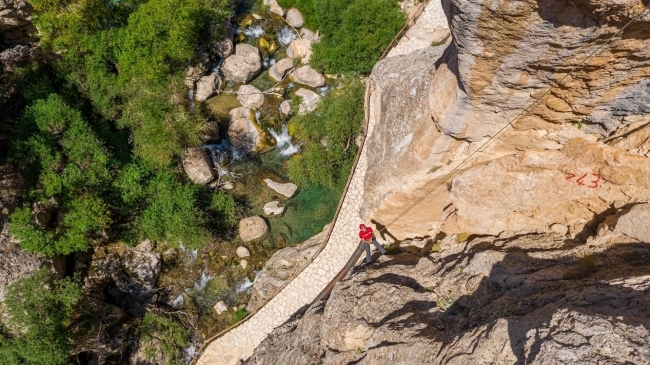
(300, 48)
(279, 70)
(294, 18)
(252, 229)
(245, 135)
(243, 65)
(273, 208)
(250, 96)
(308, 101)
(308, 76)
(196, 164)
(532, 191)
(286, 189)
(207, 86)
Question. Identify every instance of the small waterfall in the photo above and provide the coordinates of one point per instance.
(286, 36)
(215, 68)
(203, 281)
(194, 254)
(178, 301)
(247, 284)
(323, 90)
(268, 62)
(284, 139)
(190, 95)
(189, 354)
(254, 32)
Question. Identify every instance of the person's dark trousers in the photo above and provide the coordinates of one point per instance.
(367, 247)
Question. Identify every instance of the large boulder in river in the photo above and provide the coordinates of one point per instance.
(286, 189)
(279, 70)
(300, 48)
(252, 229)
(250, 96)
(207, 86)
(308, 76)
(309, 101)
(274, 7)
(245, 135)
(196, 164)
(243, 65)
(294, 18)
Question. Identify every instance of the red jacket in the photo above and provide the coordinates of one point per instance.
(366, 235)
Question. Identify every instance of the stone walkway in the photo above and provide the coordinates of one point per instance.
(430, 27)
(240, 342)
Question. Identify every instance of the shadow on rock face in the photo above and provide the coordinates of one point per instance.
(595, 300)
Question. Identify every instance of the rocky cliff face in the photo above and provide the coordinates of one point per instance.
(17, 34)
(535, 251)
(531, 299)
(503, 56)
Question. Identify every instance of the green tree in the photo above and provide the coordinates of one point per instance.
(66, 162)
(40, 310)
(328, 138)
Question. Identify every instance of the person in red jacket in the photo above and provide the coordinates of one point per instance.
(367, 236)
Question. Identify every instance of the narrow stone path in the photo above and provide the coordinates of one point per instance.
(240, 342)
(430, 27)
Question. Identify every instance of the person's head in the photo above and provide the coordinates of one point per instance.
(362, 227)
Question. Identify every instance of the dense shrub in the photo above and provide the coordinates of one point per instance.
(354, 32)
(169, 335)
(40, 311)
(328, 138)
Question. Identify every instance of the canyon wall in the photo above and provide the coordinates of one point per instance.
(503, 56)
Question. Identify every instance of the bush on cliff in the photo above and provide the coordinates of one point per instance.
(328, 138)
(354, 32)
(41, 310)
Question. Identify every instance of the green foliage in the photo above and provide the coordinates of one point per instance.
(40, 309)
(223, 207)
(328, 138)
(168, 334)
(171, 214)
(354, 32)
(63, 159)
(239, 314)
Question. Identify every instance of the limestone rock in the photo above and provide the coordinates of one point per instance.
(126, 276)
(193, 73)
(273, 208)
(14, 262)
(207, 86)
(285, 108)
(252, 229)
(196, 164)
(481, 82)
(274, 7)
(635, 138)
(210, 132)
(225, 45)
(532, 190)
(310, 35)
(243, 252)
(282, 266)
(280, 69)
(308, 76)
(220, 307)
(294, 18)
(635, 223)
(250, 97)
(528, 301)
(309, 101)
(286, 189)
(243, 65)
(300, 48)
(245, 135)
(243, 264)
